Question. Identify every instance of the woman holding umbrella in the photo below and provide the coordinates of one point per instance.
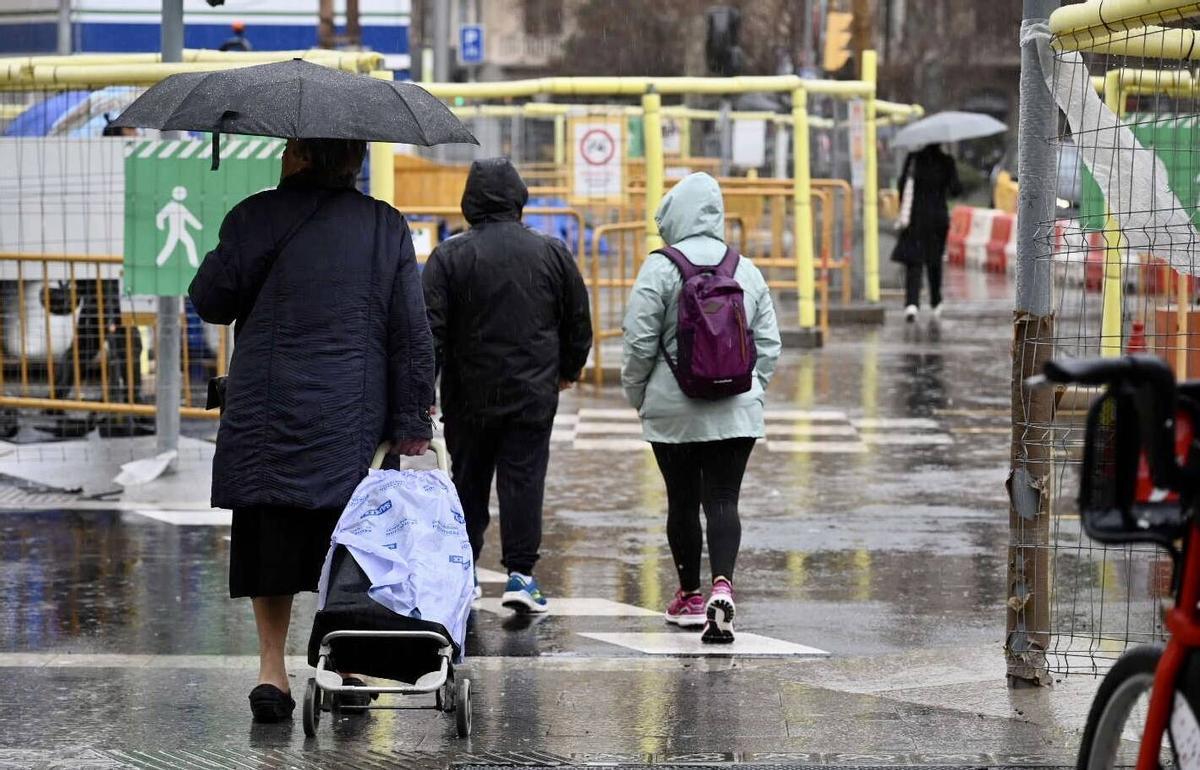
(929, 178)
(334, 352)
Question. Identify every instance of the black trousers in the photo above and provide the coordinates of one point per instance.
(912, 284)
(707, 474)
(517, 454)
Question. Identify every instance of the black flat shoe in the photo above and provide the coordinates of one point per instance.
(356, 702)
(270, 704)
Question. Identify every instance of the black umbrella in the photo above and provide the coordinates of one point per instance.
(295, 100)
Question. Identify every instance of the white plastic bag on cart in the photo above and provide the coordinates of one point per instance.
(407, 532)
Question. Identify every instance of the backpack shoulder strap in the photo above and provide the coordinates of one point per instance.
(681, 262)
(729, 263)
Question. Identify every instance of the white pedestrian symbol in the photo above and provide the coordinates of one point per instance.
(176, 218)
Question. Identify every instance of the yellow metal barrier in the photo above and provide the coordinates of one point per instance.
(80, 309)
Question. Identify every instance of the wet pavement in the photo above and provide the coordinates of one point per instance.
(872, 571)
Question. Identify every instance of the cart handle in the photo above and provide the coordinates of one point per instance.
(438, 446)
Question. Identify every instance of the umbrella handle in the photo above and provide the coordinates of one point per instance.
(216, 150)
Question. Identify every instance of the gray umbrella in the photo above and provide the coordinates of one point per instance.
(296, 100)
(946, 127)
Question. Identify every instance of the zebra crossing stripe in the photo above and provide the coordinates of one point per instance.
(689, 644)
(634, 428)
(808, 429)
(914, 423)
(817, 447)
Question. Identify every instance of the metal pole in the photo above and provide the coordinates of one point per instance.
(441, 53)
(810, 56)
(725, 134)
(167, 355)
(64, 27)
(1031, 478)
(441, 41)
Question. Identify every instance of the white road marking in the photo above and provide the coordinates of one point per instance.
(907, 439)
(805, 414)
(210, 518)
(622, 428)
(582, 607)
(611, 444)
(924, 423)
(490, 575)
(684, 643)
(817, 447)
(808, 429)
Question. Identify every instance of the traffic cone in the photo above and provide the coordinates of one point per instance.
(1137, 338)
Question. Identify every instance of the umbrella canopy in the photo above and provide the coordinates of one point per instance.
(296, 100)
(946, 127)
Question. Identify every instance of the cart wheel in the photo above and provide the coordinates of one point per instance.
(462, 708)
(441, 698)
(312, 708)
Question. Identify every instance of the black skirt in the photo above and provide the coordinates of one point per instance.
(277, 551)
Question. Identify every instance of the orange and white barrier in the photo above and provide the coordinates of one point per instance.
(978, 237)
(956, 239)
(1003, 234)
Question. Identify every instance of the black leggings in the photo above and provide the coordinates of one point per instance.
(708, 473)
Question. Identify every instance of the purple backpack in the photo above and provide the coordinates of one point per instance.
(716, 349)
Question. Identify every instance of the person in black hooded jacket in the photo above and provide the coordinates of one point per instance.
(333, 357)
(510, 318)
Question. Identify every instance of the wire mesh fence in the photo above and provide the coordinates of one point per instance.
(1122, 255)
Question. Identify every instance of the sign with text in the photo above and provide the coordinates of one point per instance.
(749, 143)
(597, 160)
(174, 204)
(858, 143)
(470, 44)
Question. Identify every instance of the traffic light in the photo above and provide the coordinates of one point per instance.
(837, 39)
(721, 51)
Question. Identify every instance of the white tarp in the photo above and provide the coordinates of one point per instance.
(407, 532)
(1132, 177)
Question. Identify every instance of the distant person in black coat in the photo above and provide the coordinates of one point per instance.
(922, 243)
(333, 357)
(509, 311)
(238, 42)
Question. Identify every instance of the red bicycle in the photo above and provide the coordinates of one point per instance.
(1139, 483)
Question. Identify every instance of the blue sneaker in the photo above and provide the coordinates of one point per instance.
(523, 596)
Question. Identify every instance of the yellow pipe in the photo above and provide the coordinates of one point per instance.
(383, 162)
(118, 74)
(870, 65)
(636, 86)
(652, 143)
(560, 140)
(1151, 42)
(802, 226)
(1076, 26)
(1110, 318)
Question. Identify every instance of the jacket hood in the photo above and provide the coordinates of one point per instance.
(692, 207)
(494, 192)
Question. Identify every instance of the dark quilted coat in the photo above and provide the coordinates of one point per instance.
(333, 356)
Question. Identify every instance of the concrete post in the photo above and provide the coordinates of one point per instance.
(1031, 477)
(167, 353)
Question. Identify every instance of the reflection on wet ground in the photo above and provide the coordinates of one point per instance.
(890, 557)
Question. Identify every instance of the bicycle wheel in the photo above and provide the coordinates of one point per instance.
(1114, 727)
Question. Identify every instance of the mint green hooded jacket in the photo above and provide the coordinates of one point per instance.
(691, 218)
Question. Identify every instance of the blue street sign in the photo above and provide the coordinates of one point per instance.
(470, 44)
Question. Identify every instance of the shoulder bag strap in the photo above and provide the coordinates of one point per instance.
(277, 250)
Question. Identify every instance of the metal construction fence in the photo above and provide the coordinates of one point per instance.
(1116, 272)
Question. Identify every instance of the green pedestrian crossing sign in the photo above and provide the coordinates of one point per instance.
(174, 204)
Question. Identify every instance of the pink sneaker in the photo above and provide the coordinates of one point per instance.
(686, 610)
(718, 611)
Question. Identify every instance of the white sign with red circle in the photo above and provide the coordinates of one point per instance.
(597, 160)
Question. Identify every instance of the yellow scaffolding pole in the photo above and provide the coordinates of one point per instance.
(1079, 26)
(871, 186)
(802, 226)
(383, 162)
(652, 133)
(1110, 318)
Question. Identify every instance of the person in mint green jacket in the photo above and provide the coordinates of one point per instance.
(702, 447)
